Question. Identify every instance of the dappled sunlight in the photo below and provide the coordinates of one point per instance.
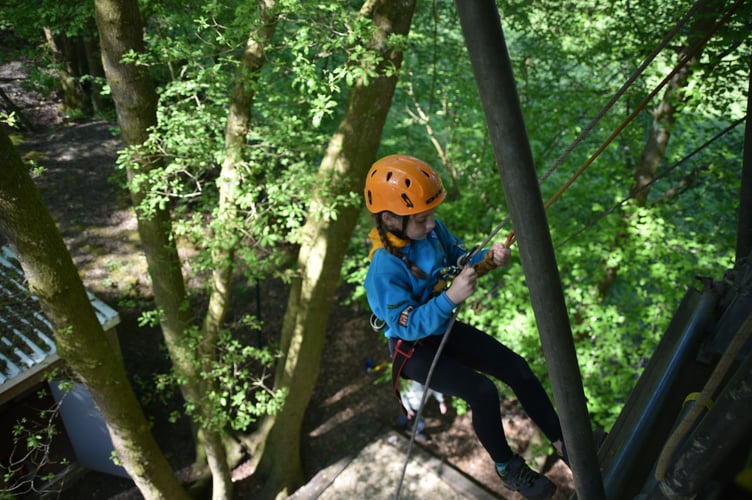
(344, 392)
(333, 421)
(76, 164)
(77, 167)
(343, 415)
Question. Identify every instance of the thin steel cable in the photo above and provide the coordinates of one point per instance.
(693, 51)
(599, 116)
(649, 184)
(636, 74)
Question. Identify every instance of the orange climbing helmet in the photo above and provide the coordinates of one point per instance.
(403, 185)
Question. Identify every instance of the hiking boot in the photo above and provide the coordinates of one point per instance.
(517, 476)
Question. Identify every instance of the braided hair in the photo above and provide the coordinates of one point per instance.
(392, 249)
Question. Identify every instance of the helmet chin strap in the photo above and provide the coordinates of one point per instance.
(401, 233)
(405, 220)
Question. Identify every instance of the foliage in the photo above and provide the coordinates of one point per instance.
(298, 90)
(61, 16)
(193, 55)
(29, 460)
(242, 391)
(27, 20)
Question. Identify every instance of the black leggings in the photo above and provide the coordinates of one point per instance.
(467, 355)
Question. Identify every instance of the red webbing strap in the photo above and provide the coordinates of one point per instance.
(510, 239)
(398, 363)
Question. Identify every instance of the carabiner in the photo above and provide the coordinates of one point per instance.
(465, 257)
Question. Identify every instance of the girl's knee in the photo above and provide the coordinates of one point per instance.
(486, 390)
(518, 373)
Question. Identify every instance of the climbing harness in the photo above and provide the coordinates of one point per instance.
(403, 351)
(399, 359)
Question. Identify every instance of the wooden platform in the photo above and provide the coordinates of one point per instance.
(376, 470)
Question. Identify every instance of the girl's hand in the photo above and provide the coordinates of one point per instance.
(463, 285)
(501, 254)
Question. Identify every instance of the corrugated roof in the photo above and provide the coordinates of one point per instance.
(27, 344)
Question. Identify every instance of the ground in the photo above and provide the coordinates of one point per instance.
(350, 405)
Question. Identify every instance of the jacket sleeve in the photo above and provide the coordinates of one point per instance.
(389, 290)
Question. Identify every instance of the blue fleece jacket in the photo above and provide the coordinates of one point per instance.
(414, 308)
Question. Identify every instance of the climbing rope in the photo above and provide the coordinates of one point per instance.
(423, 399)
(598, 117)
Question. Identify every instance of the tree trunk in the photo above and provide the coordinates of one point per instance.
(80, 340)
(227, 226)
(95, 70)
(664, 115)
(135, 100)
(62, 49)
(350, 153)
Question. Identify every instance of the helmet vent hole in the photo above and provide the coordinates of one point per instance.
(408, 182)
(388, 176)
(408, 202)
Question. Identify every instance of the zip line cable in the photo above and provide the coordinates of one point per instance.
(694, 50)
(627, 84)
(662, 175)
(599, 116)
(656, 178)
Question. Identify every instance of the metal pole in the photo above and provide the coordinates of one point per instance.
(744, 232)
(619, 472)
(493, 73)
(718, 434)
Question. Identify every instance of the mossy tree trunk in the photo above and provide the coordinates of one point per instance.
(227, 227)
(120, 32)
(64, 53)
(351, 151)
(80, 340)
(664, 114)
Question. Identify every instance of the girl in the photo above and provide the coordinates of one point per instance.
(406, 288)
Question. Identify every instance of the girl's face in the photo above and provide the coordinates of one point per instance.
(418, 225)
